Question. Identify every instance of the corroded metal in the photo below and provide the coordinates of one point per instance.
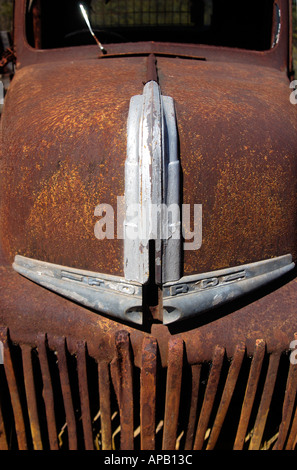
(288, 407)
(250, 394)
(265, 402)
(105, 406)
(14, 393)
(122, 375)
(31, 397)
(191, 427)
(148, 390)
(47, 394)
(84, 396)
(60, 344)
(31, 430)
(104, 384)
(250, 152)
(173, 389)
(210, 393)
(227, 395)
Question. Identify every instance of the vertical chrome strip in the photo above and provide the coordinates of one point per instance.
(152, 187)
(136, 259)
(171, 260)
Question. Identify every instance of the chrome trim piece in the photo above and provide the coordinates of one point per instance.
(110, 295)
(193, 295)
(189, 297)
(152, 178)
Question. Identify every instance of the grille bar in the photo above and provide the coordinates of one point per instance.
(14, 394)
(265, 402)
(148, 386)
(31, 396)
(195, 379)
(250, 394)
(292, 440)
(288, 410)
(210, 394)
(84, 396)
(105, 404)
(54, 395)
(47, 393)
(3, 437)
(66, 392)
(173, 389)
(122, 375)
(227, 395)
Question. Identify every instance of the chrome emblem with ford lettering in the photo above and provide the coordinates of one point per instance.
(183, 299)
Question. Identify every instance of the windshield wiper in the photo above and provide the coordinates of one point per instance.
(86, 18)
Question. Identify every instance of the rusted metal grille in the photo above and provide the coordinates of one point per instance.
(54, 399)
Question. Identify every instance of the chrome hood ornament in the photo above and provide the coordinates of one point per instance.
(152, 184)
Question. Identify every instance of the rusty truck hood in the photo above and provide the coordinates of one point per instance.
(66, 135)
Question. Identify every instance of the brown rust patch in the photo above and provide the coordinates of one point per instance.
(65, 154)
(238, 154)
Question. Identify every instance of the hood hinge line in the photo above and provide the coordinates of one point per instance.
(152, 71)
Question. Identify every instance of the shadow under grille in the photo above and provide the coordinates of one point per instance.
(53, 399)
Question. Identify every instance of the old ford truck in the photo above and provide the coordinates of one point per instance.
(148, 227)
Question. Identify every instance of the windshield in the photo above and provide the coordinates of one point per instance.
(59, 23)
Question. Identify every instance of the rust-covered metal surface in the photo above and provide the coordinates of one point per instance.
(75, 379)
(241, 397)
(69, 155)
(68, 143)
(238, 156)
